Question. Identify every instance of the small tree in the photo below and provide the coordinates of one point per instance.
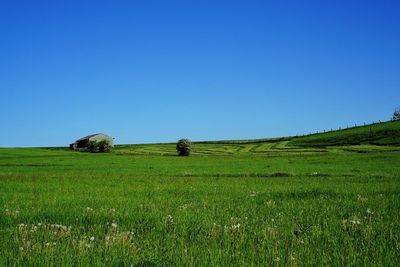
(184, 147)
(396, 114)
(93, 146)
(104, 146)
(99, 146)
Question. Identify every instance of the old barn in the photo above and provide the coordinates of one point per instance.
(84, 141)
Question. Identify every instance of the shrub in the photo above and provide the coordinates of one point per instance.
(99, 146)
(93, 147)
(104, 146)
(396, 114)
(184, 147)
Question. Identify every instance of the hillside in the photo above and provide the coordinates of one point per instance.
(381, 136)
(385, 133)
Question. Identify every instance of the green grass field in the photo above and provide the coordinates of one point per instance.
(326, 199)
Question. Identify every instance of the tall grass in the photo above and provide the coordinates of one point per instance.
(227, 205)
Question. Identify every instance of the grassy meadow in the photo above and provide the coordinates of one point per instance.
(326, 199)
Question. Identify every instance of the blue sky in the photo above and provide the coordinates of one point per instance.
(155, 71)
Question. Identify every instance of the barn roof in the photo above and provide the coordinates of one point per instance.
(87, 137)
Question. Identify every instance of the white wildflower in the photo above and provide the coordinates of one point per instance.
(361, 199)
(253, 194)
(184, 206)
(169, 219)
(114, 225)
(355, 221)
(270, 203)
(235, 226)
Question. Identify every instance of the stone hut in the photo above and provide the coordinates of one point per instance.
(84, 141)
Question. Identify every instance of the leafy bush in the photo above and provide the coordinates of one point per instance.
(184, 147)
(99, 146)
(104, 146)
(396, 114)
(93, 147)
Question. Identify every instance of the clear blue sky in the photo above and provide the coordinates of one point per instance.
(155, 71)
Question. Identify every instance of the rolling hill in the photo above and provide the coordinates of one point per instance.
(380, 136)
(385, 133)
